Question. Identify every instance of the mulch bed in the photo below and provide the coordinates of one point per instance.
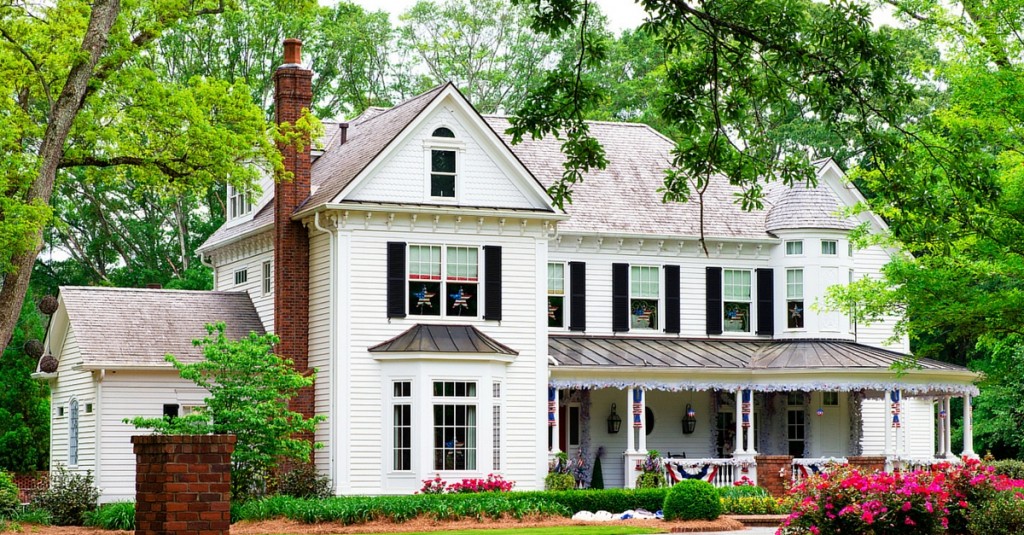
(418, 524)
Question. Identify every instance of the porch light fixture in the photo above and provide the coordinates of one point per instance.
(821, 411)
(614, 422)
(942, 415)
(689, 420)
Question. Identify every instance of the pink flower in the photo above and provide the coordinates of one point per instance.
(909, 521)
(906, 506)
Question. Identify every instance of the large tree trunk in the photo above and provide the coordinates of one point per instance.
(62, 115)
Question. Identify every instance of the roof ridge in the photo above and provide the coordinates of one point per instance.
(385, 111)
(153, 290)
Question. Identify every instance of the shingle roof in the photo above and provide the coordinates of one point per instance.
(623, 198)
(801, 207)
(627, 352)
(443, 339)
(138, 327)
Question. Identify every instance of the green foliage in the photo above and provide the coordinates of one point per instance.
(751, 505)
(302, 481)
(597, 480)
(559, 481)
(1011, 468)
(70, 497)
(32, 515)
(1001, 515)
(117, 515)
(742, 491)
(350, 510)
(692, 499)
(650, 480)
(9, 502)
(249, 391)
(24, 402)
(616, 500)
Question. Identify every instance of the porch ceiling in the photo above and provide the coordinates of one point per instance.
(725, 354)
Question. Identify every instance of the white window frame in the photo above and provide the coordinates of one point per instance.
(791, 296)
(497, 418)
(564, 295)
(659, 308)
(396, 402)
(444, 282)
(242, 273)
(749, 301)
(833, 245)
(239, 204)
(795, 244)
(443, 143)
(474, 401)
(267, 281)
(74, 432)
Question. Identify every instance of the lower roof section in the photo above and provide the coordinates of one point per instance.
(763, 365)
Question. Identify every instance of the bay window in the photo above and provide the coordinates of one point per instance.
(454, 425)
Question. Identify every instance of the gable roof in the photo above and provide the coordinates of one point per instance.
(131, 327)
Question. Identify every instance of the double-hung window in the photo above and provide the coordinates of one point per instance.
(795, 298)
(402, 426)
(239, 204)
(454, 294)
(644, 294)
(828, 247)
(443, 167)
(556, 295)
(454, 425)
(794, 248)
(736, 294)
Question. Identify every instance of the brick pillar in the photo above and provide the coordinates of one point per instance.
(774, 473)
(868, 463)
(183, 484)
(293, 93)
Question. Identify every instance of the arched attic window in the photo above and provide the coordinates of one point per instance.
(443, 132)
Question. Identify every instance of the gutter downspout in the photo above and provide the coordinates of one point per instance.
(332, 427)
(97, 426)
(207, 263)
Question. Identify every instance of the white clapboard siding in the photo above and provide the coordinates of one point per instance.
(869, 262)
(253, 265)
(72, 384)
(127, 394)
(319, 340)
(918, 427)
(403, 177)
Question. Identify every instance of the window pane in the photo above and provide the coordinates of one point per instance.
(795, 314)
(556, 311)
(442, 185)
(736, 317)
(643, 313)
(644, 281)
(794, 247)
(830, 399)
(424, 262)
(462, 264)
(425, 298)
(556, 279)
(794, 284)
(455, 436)
(736, 285)
(442, 161)
(828, 247)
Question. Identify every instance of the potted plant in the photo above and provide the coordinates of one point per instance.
(652, 475)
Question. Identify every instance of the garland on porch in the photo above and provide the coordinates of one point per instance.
(842, 386)
(856, 422)
(808, 435)
(713, 424)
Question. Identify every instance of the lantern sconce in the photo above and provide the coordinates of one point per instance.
(689, 420)
(614, 422)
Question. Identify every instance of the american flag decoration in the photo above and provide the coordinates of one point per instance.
(894, 396)
(423, 297)
(460, 299)
(638, 407)
(746, 407)
(552, 406)
(642, 313)
(551, 311)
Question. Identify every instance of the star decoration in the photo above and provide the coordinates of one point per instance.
(423, 297)
(461, 299)
(551, 311)
(796, 312)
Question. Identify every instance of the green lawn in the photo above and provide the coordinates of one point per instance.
(559, 530)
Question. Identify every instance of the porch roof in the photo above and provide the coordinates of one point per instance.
(767, 365)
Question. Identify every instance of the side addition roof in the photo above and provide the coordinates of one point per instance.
(129, 327)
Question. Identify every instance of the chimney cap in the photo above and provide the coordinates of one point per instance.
(292, 51)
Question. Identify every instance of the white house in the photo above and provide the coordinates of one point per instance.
(462, 325)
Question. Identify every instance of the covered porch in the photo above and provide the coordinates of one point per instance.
(714, 409)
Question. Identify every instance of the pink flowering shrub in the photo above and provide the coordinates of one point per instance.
(908, 503)
(493, 483)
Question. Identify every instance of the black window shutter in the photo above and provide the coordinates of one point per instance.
(714, 299)
(765, 301)
(396, 279)
(672, 299)
(577, 296)
(620, 298)
(492, 282)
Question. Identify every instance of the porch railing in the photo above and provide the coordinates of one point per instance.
(718, 472)
(803, 468)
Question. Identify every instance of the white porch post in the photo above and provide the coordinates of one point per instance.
(738, 448)
(751, 450)
(887, 428)
(940, 406)
(633, 455)
(642, 430)
(630, 437)
(902, 448)
(968, 429)
(947, 451)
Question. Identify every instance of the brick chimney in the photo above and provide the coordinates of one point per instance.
(292, 92)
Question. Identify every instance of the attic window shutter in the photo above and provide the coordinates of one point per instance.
(620, 297)
(765, 301)
(713, 315)
(396, 279)
(672, 303)
(492, 282)
(577, 296)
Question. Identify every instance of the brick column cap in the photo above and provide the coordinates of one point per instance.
(182, 439)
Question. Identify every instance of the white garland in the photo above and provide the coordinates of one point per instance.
(820, 461)
(698, 463)
(839, 386)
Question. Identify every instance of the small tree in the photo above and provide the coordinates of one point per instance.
(249, 391)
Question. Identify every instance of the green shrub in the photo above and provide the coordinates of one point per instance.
(117, 515)
(9, 502)
(692, 499)
(754, 505)
(612, 500)
(650, 480)
(1002, 515)
(69, 497)
(559, 481)
(303, 481)
(31, 515)
(742, 491)
(597, 480)
(1011, 468)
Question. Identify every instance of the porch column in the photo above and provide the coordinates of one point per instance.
(738, 446)
(887, 429)
(629, 423)
(751, 450)
(968, 429)
(947, 452)
(940, 407)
